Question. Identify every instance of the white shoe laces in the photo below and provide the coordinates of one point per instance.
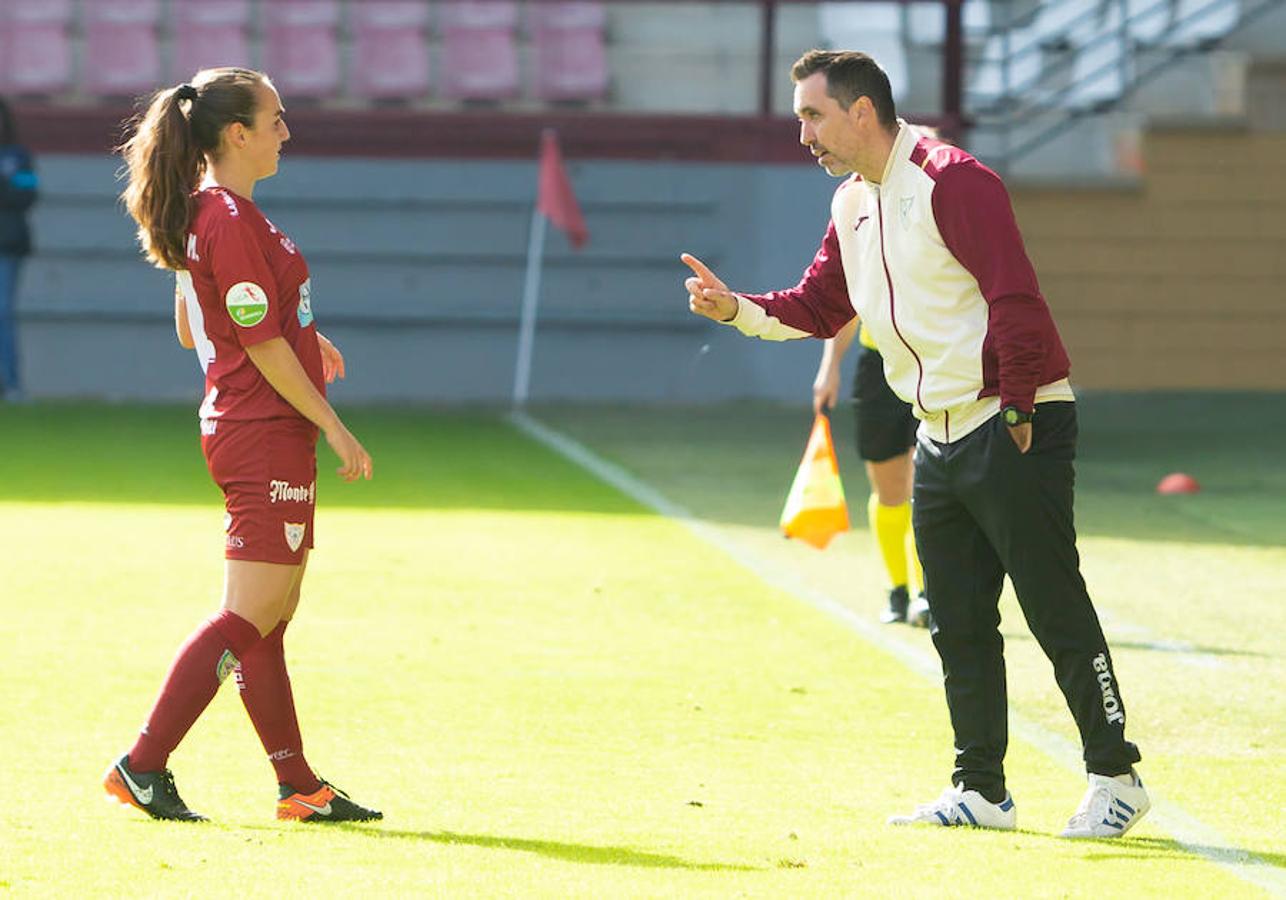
(1093, 808)
(948, 804)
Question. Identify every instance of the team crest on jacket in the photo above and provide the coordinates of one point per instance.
(294, 535)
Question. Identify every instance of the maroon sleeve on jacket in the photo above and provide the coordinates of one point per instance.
(1022, 349)
(819, 304)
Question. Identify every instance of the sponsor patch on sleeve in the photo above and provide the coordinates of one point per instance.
(247, 303)
(305, 309)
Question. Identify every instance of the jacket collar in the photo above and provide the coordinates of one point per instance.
(903, 144)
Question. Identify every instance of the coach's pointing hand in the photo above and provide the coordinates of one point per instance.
(707, 295)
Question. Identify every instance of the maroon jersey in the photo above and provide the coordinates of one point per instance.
(246, 283)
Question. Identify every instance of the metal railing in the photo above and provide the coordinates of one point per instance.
(1040, 81)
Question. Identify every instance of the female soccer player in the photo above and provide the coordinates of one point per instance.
(243, 303)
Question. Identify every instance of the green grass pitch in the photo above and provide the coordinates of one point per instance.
(552, 691)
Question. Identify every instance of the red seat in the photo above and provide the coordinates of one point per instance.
(390, 63)
(208, 34)
(565, 15)
(477, 15)
(122, 53)
(301, 47)
(570, 65)
(382, 14)
(35, 48)
(479, 64)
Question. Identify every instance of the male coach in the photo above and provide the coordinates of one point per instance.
(923, 247)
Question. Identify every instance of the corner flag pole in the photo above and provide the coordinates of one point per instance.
(530, 300)
(555, 202)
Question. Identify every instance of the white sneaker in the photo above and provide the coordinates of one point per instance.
(961, 807)
(1109, 808)
(917, 615)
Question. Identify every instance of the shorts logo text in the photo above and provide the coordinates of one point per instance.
(285, 492)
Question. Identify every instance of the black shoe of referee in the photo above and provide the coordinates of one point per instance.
(899, 600)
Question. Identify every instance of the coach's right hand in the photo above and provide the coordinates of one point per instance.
(707, 294)
(355, 462)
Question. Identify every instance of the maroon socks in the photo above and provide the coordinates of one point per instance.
(265, 691)
(208, 657)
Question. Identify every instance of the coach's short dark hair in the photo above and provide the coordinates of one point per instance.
(849, 75)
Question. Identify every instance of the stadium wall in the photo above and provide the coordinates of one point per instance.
(417, 268)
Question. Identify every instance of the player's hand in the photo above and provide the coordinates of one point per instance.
(826, 389)
(332, 359)
(355, 462)
(707, 294)
(1021, 435)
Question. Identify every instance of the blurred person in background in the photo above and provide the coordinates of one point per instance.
(18, 187)
(886, 426)
(885, 441)
(923, 248)
(244, 304)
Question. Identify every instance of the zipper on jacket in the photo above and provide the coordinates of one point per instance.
(919, 380)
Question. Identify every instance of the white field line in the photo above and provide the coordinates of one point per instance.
(1195, 836)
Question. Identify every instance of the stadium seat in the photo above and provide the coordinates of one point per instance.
(301, 47)
(571, 15)
(209, 33)
(1100, 69)
(390, 50)
(1147, 20)
(477, 15)
(1059, 24)
(381, 14)
(122, 53)
(874, 28)
(926, 22)
(1198, 22)
(569, 64)
(986, 83)
(479, 64)
(35, 47)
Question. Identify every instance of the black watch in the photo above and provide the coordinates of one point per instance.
(1014, 416)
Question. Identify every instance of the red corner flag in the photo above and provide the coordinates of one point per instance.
(556, 199)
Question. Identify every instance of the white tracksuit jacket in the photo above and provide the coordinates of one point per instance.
(932, 262)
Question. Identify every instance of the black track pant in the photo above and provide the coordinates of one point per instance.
(982, 510)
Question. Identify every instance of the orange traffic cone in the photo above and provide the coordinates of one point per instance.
(815, 509)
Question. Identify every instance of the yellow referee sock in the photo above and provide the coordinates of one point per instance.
(916, 585)
(890, 525)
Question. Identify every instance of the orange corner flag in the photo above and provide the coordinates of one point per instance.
(815, 509)
(555, 198)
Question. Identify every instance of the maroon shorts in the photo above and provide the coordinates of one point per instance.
(268, 473)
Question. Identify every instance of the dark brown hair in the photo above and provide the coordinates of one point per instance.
(849, 75)
(165, 154)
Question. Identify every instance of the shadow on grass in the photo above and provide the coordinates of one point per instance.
(1162, 848)
(1180, 648)
(578, 853)
(423, 459)
(729, 463)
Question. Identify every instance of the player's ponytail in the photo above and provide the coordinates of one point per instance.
(167, 151)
